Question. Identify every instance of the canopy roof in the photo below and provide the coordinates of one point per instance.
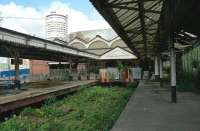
(15, 44)
(146, 24)
(135, 21)
(118, 54)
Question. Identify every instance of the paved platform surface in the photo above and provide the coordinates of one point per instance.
(150, 109)
(33, 92)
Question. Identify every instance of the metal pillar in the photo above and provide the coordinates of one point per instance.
(70, 67)
(70, 70)
(17, 77)
(156, 68)
(88, 70)
(173, 74)
(171, 28)
(161, 72)
(17, 73)
(8, 61)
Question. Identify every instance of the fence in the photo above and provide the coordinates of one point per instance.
(189, 57)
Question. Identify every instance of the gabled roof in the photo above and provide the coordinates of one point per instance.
(79, 39)
(107, 34)
(117, 54)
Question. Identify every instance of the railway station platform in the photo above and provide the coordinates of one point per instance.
(19, 99)
(150, 109)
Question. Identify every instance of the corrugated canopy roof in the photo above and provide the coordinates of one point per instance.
(135, 21)
(145, 25)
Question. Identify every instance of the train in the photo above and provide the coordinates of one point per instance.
(126, 75)
(7, 71)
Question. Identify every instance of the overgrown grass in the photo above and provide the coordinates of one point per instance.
(90, 109)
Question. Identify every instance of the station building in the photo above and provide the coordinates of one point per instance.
(110, 48)
(103, 42)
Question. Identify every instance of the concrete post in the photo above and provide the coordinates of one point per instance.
(173, 74)
(161, 72)
(156, 68)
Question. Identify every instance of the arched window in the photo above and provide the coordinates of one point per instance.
(118, 43)
(78, 45)
(98, 44)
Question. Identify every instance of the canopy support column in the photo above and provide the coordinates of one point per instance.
(156, 67)
(88, 69)
(17, 77)
(171, 27)
(143, 31)
(70, 70)
(161, 71)
(173, 72)
(17, 73)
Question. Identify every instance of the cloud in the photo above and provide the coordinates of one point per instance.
(36, 26)
(23, 25)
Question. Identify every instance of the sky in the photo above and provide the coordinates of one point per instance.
(82, 15)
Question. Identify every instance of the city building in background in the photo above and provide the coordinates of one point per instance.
(56, 26)
(57, 31)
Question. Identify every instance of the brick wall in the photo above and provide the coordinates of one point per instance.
(38, 67)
